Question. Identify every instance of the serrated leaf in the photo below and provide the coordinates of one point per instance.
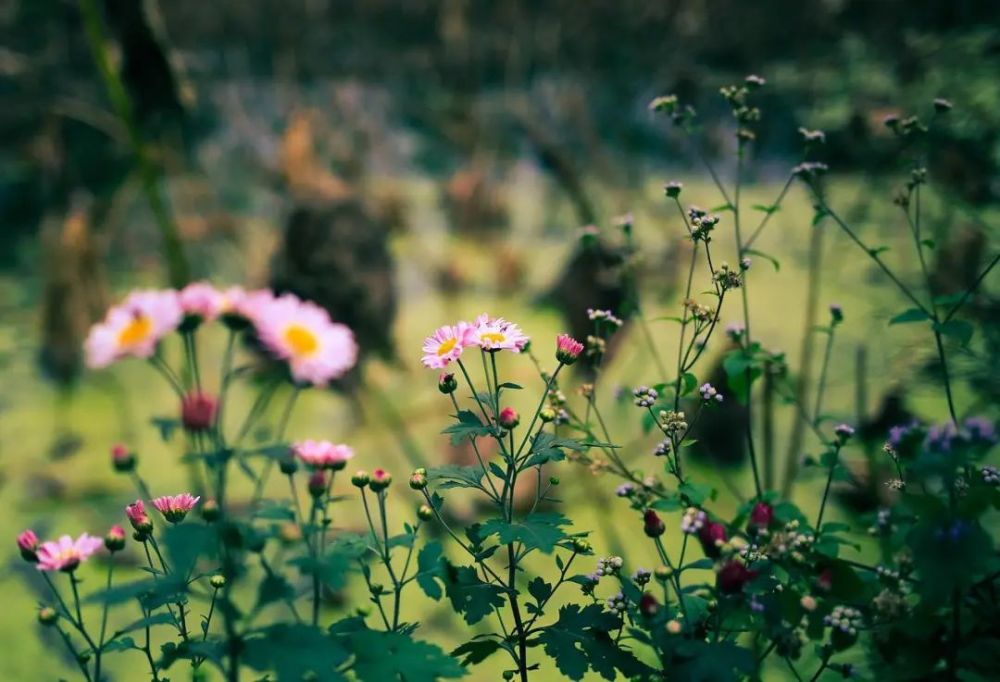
(428, 569)
(476, 651)
(539, 531)
(294, 651)
(454, 476)
(579, 641)
(469, 595)
(467, 426)
(381, 656)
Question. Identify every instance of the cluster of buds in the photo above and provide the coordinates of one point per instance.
(889, 604)
(644, 396)
(663, 448)
(673, 423)
(702, 225)
(617, 604)
(604, 318)
(883, 525)
(792, 542)
(696, 311)
(671, 106)
(607, 566)
(905, 127)
(727, 278)
(845, 622)
(642, 576)
(990, 475)
(709, 393)
(810, 170)
(812, 137)
(693, 520)
(596, 348)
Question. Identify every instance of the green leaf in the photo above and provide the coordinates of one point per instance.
(773, 208)
(454, 476)
(911, 315)
(688, 383)
(338, 561)
(467, 426)
(273, 588)
(761, 254)
(539, 589)
(429, 567)
(381, 656)
(469, 595)
(961, 330)
(537, 531)
(578, 641)
(166, 426)
(476, 651)
(697, 493)
(163, 618)
(294, 651)
(547, 447)
(185, 543)
(120, 644)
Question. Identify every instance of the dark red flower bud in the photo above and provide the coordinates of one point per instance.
(733, 576)
(712, 535)
(198, 412)
(761, 515)
(508, 418)
(652, 524)
(648, 605)
(825, 580)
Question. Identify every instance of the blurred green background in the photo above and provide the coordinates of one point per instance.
(409, 163)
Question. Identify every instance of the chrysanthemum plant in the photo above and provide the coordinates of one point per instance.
(768, 587)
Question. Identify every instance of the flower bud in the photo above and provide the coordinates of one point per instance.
(712, 536)
(568, 349)
(425, 513)
(418, 481)
(581, 546)
(674, 627)
(376, 588)
(509, 418)
(115, 539)
(836, 313)
(289, 533)
(553, 480)
(122, 460)
(447, 383)
(361, 479)
(288, 465)
(47, 615)
(663, 573)
(380, 480)
(198, 412)
(508, 675)
(732, 577)
(27, 543)
(761, 516)
(808, 603)
(648, 606)
(137, 516)
(673, 189)
(217, 581)
(652, 524)
(547, 415)
(210, 511)
(317, 483)
(843, 432)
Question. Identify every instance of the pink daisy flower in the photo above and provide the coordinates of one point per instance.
(175, 507)
(568, 349)
(239, 304)
(202, 300)
(134, 327)
(322, 454)
(499, 334)
(66, 553)
(317, 349)
(446, 344)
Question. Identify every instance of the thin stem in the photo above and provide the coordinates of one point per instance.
(947, 376)
(767, 218)
(104, 626)
(821, 386)
(826, 491)
(971, 290)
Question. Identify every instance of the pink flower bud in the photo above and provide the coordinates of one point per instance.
(27, 542)
(121, 458)
(733, 576)
(761, 515)
(317, 483)
(137, 516)
(115, 539)
(198, 412)
(648, 605)
(509, 418)
(380, 480)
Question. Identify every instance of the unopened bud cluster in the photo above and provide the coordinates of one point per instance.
(672, 423)
(644, 396)
(709, 393)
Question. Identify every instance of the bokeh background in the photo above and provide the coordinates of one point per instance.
(407, 163)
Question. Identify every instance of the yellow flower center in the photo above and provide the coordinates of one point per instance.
(493, 337)
(136, 331)
(446, 346)
(301, 340)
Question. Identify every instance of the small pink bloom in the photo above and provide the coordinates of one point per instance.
(175, 507)
(380, 480)
(198, 411)
(134, 327)
(137, 516)
(509, 418)
(446, 344)
(316, 349)
(499, 334)
(201, 300)
(322, 454)
(27, 542)
(568, 349)
(66, 553)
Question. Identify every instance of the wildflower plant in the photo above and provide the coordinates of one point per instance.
(235, 577)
